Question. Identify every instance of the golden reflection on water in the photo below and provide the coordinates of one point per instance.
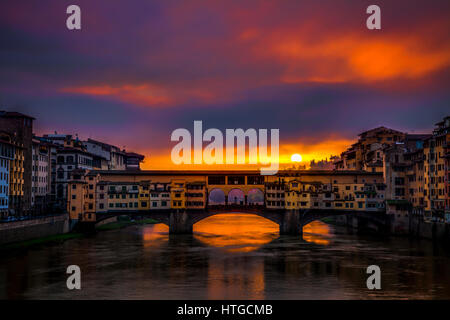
(317, 232)
(155, 235)
(236, 232)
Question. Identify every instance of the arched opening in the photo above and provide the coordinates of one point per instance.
(216, 197)
(236, 197)
(236, 232)
(255, 197)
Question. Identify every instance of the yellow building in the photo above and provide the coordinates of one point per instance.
(144, 196)
(16, 179)
(81, 196)
(415, 180)
(160, 196)
(77, 195)
(178, 194)
(123, 196)
(196, 195)
(435, 172)
(275, 195)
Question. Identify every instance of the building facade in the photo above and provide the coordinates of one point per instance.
(436, 173)
(20, 129)
(7, 150)
(41, 179)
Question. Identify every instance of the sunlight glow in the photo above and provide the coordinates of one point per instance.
(296, 157)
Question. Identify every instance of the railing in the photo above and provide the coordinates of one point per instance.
(236, 207)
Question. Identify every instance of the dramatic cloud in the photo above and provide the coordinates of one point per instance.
(140, 69)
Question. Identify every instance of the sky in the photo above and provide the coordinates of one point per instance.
(138, 70)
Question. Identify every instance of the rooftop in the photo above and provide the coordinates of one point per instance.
(13, 114)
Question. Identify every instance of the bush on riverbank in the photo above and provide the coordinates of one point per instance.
(60, 238)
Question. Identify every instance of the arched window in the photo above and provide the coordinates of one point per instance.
(216, 197)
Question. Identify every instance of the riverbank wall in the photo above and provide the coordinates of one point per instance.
(16, 231)
(403, 225)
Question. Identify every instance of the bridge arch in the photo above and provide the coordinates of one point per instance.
(255, 196)
(290, 221)
(236, 197)
(216, 197)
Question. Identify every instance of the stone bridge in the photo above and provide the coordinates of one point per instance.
(291, 222)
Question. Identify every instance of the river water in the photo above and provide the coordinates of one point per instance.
(232, 256)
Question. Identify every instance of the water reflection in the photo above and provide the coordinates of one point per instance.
(231, 256)
(236, 232)
(317, 232)
(155, 235)
(247, 232)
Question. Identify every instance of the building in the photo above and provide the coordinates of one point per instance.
(110, 157)
(40, 178)
(322, 164)
(20, 129)
(67, 160)
(133, 161)
(159, 196)
(7, 150)
(133, 192)
(366, 154)
(178, 194)
(436, 176)
(196, 195)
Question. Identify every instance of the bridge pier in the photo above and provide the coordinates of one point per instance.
(291, 223)
(179, 223)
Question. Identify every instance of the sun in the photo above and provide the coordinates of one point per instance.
(296, 157)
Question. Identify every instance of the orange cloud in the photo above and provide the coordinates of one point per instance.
(144, 94)
(352, 57)
(320, 150)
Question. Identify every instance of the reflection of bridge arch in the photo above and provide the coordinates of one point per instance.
(274, 217)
